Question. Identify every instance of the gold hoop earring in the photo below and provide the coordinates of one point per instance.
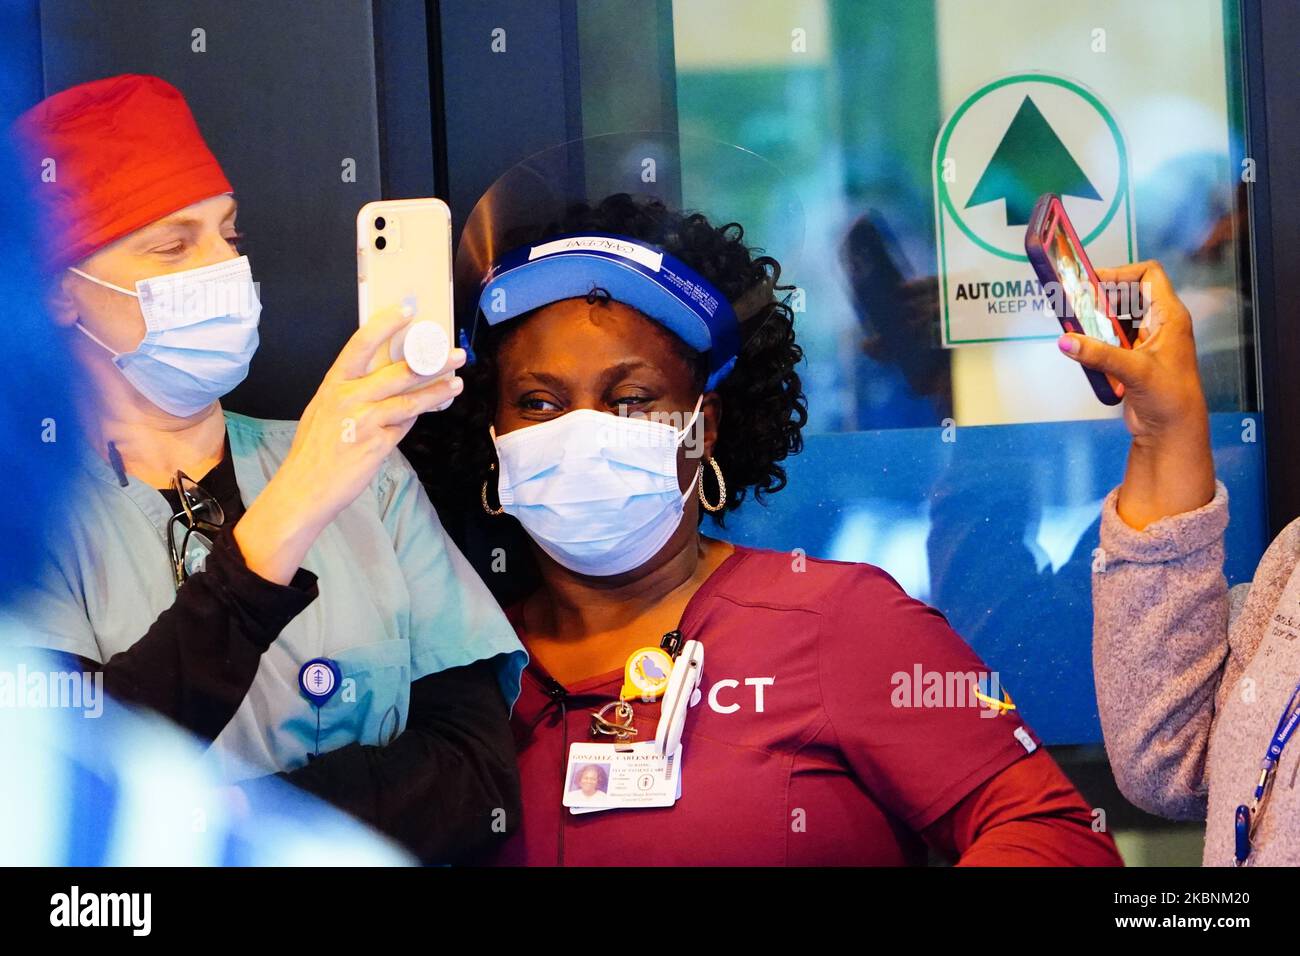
(483, 497)
(722, 487)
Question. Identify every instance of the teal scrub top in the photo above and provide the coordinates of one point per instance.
(398, 601)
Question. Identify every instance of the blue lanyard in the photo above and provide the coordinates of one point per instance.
(1247, 818)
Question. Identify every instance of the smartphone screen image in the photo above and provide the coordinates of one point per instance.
(1077, 284)
(1072, 287)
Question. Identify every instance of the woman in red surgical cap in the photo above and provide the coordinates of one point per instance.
(281, 589)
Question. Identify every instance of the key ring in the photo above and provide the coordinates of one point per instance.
(620, 728)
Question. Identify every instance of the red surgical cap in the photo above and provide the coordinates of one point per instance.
(126, 152)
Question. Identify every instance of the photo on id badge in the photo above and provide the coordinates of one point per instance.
(589, 786)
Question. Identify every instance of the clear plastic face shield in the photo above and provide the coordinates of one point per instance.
(599, 506)
(689, 173)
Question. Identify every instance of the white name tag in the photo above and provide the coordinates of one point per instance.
(647, 257)
(614, 776)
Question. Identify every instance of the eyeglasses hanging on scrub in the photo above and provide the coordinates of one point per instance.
(190, 531)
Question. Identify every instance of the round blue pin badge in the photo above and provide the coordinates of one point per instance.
(319, 679)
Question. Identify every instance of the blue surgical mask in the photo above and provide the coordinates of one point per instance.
(597, 492)
(201, 333)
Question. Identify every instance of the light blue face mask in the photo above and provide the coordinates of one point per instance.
(597, 492)
(201, 333)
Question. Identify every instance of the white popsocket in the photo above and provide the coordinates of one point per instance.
(426, 347)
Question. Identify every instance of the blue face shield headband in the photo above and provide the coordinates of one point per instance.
(653, 282)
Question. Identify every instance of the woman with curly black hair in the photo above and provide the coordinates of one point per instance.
(635, 370)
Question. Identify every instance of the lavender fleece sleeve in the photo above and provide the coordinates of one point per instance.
(1161, 652)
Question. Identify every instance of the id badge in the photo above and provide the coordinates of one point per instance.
(614, 776)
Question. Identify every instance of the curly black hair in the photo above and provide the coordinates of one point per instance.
(764, 409)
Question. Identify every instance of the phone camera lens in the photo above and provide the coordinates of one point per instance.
(381, 242)
(380, 223)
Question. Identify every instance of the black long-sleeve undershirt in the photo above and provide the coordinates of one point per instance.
(446, 788)
(196, 662)
(199, 657)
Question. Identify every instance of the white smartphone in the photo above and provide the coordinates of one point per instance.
(404, 255)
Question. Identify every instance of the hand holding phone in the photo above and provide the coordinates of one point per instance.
(324, 472)
(1170, 467)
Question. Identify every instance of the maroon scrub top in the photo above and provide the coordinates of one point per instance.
(811, 743)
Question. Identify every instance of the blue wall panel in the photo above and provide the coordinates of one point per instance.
(996, 528)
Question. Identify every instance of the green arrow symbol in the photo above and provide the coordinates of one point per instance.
(1030, 160)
